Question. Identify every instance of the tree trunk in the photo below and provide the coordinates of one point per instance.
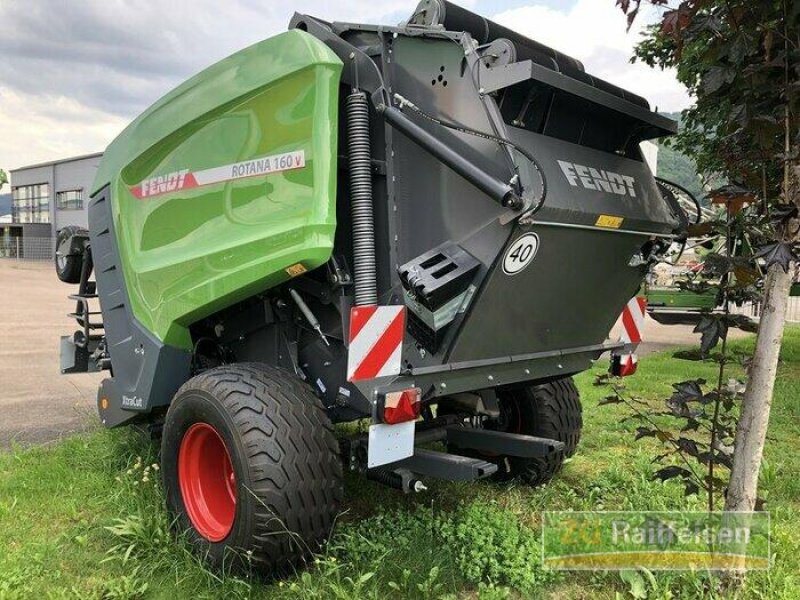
(751, 431)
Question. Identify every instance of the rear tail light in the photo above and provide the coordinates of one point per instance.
(402, 406)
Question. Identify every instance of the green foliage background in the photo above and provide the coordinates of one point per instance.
(676, 166)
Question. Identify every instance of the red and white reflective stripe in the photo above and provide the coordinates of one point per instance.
(627, 365)
(186, 180)
(624, 363)
(633, 320)
(376, 341)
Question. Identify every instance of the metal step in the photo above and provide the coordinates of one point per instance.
(501, 442)
(488, 441)
(91, 325)
(450, 467)
(83, 315)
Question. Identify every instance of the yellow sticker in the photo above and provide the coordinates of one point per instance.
(296, 270)
(609, 221)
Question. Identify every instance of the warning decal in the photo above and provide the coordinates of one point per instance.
(376, 341)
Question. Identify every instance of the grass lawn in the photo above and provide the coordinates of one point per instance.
(84, 518)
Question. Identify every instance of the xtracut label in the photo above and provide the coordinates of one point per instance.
(597, 179)
(185, 179)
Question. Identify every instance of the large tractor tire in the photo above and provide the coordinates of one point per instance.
(68, 265)
(251, 467)
(550, 410)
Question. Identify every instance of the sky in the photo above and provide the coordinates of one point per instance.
(74, 74)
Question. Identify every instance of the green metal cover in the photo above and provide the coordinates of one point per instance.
(227, 185)
(677, 298)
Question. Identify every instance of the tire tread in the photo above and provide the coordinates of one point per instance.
(292, 457)
(552, 410)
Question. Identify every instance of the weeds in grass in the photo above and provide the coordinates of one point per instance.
(329, 578)
(144, 533)
(61, 510)
(126, 587)
(477, 542)
(145, 538)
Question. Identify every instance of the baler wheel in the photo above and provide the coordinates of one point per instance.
(251, 467)
(68, 267)
(551, 410)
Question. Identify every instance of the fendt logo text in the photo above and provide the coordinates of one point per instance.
(156, 186)
(595, 179)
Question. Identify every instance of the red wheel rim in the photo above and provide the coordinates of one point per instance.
(207, 482)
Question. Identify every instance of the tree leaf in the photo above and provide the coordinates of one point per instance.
(740, 47)
(689, 390)
(643, 432)
(664, 436)
(783, 213)
(777, 253)
(742, 322)
(691, 425)
(671, 472)
(712, 330)
(688, 446)
(715, 78)
(615, 399)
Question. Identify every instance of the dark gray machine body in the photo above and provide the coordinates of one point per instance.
(601, 219)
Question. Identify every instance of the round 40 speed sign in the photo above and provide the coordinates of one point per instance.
(520, 253)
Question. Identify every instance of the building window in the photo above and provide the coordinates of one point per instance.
(70, 200)
(30, 203)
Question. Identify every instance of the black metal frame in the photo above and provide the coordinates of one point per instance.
(455, 433)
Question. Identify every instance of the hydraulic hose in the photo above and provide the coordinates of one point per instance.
(361, 204)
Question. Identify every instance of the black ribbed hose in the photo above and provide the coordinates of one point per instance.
(361, 208)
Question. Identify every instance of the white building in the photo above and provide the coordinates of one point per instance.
(45, 198)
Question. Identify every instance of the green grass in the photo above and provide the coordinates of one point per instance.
(84, 518)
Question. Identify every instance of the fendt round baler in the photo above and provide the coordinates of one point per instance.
(430, 227)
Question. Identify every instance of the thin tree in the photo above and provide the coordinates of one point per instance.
(740, 60)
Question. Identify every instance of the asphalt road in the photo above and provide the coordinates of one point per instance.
(39, 405)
